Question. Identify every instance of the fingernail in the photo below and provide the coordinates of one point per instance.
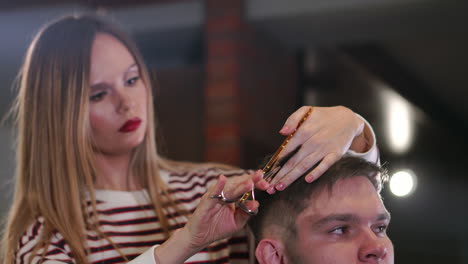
(271, 190)
(310, 178)
(284, 129)
(280, 186)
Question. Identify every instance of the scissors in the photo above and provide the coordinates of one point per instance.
(273, 166)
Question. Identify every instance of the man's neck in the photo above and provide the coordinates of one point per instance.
(114, 174)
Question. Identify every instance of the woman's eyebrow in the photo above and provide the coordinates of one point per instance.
(98, 86)
(132, 67)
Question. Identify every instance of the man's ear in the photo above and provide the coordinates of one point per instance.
(270, 251)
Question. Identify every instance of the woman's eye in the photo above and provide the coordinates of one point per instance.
(339, 230)
(97, 97)
(132, 81)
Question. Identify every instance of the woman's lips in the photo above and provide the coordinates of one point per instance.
(130, 125)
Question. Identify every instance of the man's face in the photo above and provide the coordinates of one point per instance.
(345, 226)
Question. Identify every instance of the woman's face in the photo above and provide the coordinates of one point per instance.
(117, 98)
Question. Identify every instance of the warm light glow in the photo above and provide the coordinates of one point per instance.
(402, 183)
(399, 126)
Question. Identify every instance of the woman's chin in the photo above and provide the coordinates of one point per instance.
(124, 148)
(130, 143)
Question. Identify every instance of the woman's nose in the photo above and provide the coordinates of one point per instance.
(125, 102)
(373, 249)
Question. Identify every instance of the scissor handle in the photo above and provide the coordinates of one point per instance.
(244, 208)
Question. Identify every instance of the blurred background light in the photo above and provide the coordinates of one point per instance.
(400, 123)
(403, 183)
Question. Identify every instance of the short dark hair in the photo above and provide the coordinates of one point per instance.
(282, 208)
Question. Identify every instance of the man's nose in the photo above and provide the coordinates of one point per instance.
(373, 248)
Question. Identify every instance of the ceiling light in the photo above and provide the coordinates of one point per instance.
(402, 183)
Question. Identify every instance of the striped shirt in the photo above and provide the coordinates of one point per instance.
(131, 223)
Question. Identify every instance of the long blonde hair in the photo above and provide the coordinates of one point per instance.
(55, 159)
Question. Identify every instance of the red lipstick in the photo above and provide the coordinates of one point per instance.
(130, 125)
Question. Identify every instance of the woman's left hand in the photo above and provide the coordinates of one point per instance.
(326, 135)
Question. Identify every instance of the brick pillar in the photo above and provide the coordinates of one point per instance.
(223, 40)
(250, 87)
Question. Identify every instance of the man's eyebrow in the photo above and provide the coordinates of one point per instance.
(384, 216)
(336, 217)
(347, 218)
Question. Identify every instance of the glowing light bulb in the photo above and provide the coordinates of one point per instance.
(402, 183)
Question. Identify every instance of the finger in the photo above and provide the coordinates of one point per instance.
(241, 217)
(293, 120)
(300, 169)
(219, 186)
(307, 139)
(235, 192)
(293, 161)
(259, 182)
(308, 150)
(251, 205)
(215, 190)
(287, 163)
(255, 176)
(271, 189)
(262, 185)
(324, 165)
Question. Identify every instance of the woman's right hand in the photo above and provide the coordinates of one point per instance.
(213, 219)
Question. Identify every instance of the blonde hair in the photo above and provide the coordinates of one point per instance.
(55, 159)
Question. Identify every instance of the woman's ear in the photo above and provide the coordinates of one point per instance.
(270, 251)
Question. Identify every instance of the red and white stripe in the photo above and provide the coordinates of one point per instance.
(132, 225)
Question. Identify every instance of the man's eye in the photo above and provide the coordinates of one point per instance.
(97, 97)
(381, 229)
(132, 81)
(341, 230)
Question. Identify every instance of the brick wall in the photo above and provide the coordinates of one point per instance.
(249, 90)
(223, 41)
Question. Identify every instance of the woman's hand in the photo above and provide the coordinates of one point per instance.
(213, 219)
(325, 136)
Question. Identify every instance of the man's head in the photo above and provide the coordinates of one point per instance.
(339, 218)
